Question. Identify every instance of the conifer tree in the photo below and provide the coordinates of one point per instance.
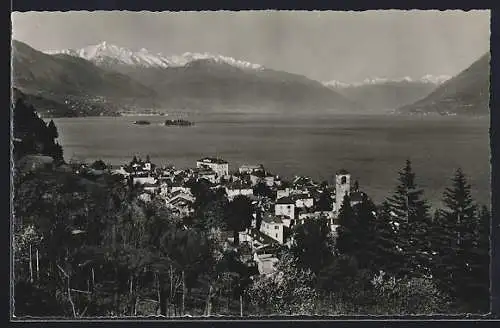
(410, 214)
(346, 241)
(365, 233)
(387, 256)
(479, 265)
(325, 201)
(311, 244)
(52, 130)
(461, 243)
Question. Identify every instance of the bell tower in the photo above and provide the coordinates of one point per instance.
(342, 187)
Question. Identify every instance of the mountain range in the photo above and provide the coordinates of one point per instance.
(384, 95)
(108, 79)
(465, 94)
(188, 82)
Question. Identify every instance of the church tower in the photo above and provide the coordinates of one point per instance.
(342, 187)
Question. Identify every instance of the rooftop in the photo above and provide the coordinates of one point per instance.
(285, 200)
(180, 201)
(212, 160)
(342, 171)
(252, 166)
(300, 196)
(272, 219)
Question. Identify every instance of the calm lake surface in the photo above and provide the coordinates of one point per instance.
(372, 148)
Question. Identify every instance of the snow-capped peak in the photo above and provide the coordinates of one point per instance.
(434, 79)
(105, 53)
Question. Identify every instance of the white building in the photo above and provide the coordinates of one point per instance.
(144, 180)
(274, 228)
(251, 168)
(285, 206)
(303, 201)
(235, 191)
(266, 263)
(219, 166)
(182, 205)
(207, 174)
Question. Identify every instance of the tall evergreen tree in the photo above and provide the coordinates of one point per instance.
(461, 244)
(410, 213)
(346, 241)
(239, 215)
(52, 130)
(479, 265)
(366, 234)
(386, 254)
(325, 201)
(311, 244)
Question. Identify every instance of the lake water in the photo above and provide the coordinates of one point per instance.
(372, 148)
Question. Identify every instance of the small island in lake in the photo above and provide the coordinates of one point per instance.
(142, 122)
(178, 123)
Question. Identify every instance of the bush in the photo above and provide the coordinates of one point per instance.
(410, 296)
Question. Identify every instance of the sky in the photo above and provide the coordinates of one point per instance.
(323, 45)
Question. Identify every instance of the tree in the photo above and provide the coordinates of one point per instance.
(346, 241)
(52, 130)
(263, 190)
(410, 213)
(479, 265)
(387, 256)
(455, 235)
(289, 290)
(239, 215)
(363, 236)
(325, 201)
(311, 244)
(98, 165)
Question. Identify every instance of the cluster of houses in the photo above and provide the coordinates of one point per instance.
(285, 205)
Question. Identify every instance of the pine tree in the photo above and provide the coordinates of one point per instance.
(311, 244)
(346, 241)
(325, 201)
(386, 254)
(460, 208)
(52, 130)
(365, 233)
(461, 245)
(410, 213)
(477, 293)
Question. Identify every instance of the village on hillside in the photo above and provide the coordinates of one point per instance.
(278, 205)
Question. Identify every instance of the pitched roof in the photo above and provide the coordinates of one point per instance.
(180, 201)
(300, 196)
(272, 219)
(285, 200)
(212, 160)
(342, 171)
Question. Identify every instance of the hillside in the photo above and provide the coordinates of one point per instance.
(60, 75)
(215, 82)
(465, 94)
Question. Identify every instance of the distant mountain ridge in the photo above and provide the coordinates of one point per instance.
(465, 94)
(384, 95)
(214, 82)
(105, 54)
(62, 74)
(426, 79)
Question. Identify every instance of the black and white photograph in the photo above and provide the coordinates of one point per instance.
(248, 164)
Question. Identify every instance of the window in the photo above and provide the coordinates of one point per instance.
(289, 207)
(343, 180)
(276, 235)
(275, 227)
